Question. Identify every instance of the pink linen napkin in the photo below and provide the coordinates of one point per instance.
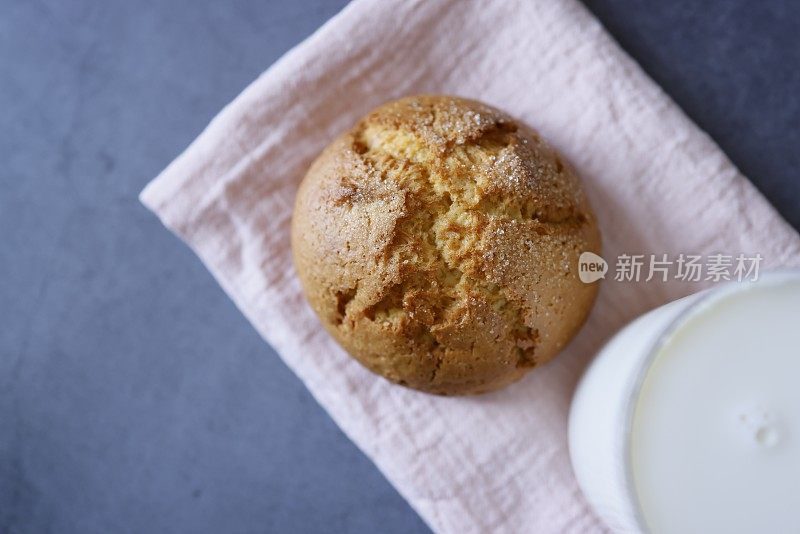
(498, 462)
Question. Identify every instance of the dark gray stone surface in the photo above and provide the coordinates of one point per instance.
(734, 68)
(133, 395)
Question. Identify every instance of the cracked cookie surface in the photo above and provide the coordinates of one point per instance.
(438, 242)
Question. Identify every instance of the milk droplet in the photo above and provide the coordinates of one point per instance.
(767, 436)
(758, 424)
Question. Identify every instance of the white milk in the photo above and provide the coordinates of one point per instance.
(715, 437)
(688, 420)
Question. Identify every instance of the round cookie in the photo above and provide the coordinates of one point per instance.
(438, 242)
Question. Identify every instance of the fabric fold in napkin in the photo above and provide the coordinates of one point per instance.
(498, 462)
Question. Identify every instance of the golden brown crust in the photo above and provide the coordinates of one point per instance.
(438, 242)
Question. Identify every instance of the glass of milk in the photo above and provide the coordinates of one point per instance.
(688, 420)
